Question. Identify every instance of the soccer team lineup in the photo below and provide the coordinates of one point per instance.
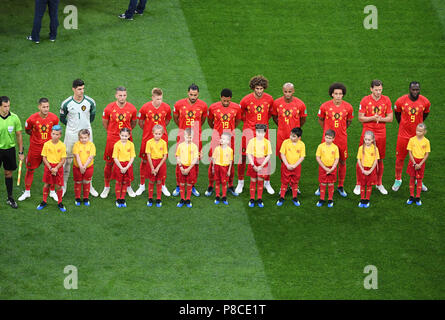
(76, 151)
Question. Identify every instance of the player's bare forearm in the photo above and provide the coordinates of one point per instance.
(162, 161)
(150, 162)
(117, 163)
(176, 119)
(299, 161)
(105, 123)
(275, 119)
(133, 123)
(321, 122)
(265, 161)
(425, 115)
(87, 163)
(283, 158)
(130, 162)
(250, 158)
(45, 161)
(210, 122)
(348, 123)
(28, 131)
(302, 121)
(141, 124)
(335, 164)
(397, 115)
(237, 122)
(359, 163)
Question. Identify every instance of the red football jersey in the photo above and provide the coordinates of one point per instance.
(153, 116)
(224, 118)
(119, 118)
(289, 115)
(370, 107)
(411, 114)
(335, 118)
(190, 115)
(41, 128)
(255, 111)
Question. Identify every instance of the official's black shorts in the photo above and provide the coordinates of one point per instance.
(8, 159)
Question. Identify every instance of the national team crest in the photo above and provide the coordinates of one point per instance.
(225, 117)
(121, 117)
(191, 114)
(259, 109)
(376, 109)
(413, 111)
(156, 117)
(337, 116)
(43, 128)
(83, 108)
(287, 113)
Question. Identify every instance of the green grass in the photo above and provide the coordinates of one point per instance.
(215, 252)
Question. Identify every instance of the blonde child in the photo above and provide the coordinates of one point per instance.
(259, 151)
(367, 159)
(222, 159)
(53, 156)
(156, 150)
(419, 149)
(327, 156)
(186, 169)
(123, 156)
(292, 153)
(84, 152)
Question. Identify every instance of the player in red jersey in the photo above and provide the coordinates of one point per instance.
(337, 115)
(409, 110)
(288, 112)
(117, 115)
(38, 126)
(223, 116)
(152, 113)
(190, 112)
(374, 112)
(256, 108)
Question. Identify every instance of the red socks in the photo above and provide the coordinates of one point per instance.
(142, 170)
(45, 194)
(211, 179)
(365, 192)
(379, 172)
(283, 190)
(158, 191)
(412, 187)
(341, 174)
(151, 188)
(331, 190)
(252, 189)
(322, 191)
(29, 177)
(77, 190)
(241, 169)
(189, 191)
(86, 190)
(59, 195)
(399, 168)
(107, 174)
(260, 187)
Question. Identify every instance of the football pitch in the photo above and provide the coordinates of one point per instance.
(216, 251)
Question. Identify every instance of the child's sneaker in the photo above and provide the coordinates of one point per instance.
(361, 203)
(41, 205)
(330, 203)
(180, 203)
(77, 202)
(366, 204)
(342, 192)
(208, 192)
(224, 200)
(61, 207)
(118, 203)
(260, 203)
(216, 200)
(251, 203)
(320, 203)
(296, 202)
(158, 203)
(149, 202)
(123, 204)
(280, 202)
(188, 203)
(86, 202)
(418, 202)
(410, 200)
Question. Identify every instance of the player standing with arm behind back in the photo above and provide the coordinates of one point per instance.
(117, 115)
(38, 126)
(10, 131)
(76, 112)
(256, 109)
(190, 112)
(374, 112)
(337, 115)
(223, 117)
(410, 110)
(152, 113)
